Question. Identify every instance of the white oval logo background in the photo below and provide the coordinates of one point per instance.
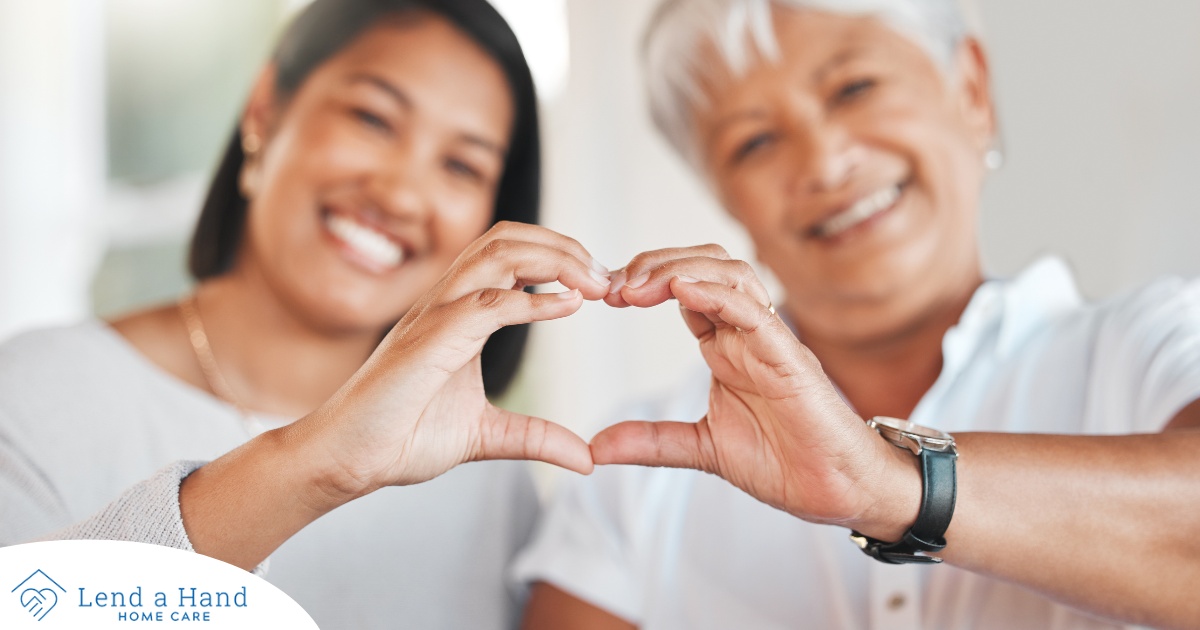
(126, 584)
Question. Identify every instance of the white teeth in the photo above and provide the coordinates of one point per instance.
(862, 210)
(366, 241)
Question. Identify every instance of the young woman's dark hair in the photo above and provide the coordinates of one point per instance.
(319, 32)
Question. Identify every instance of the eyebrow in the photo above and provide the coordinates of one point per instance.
(484, 144)
(405, 102)
(839, 59)
(381, 83)
(752, 114)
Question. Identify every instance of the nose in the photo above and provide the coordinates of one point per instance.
(400, 187)
(826, 157)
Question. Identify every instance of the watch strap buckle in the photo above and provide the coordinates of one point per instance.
(898, 552)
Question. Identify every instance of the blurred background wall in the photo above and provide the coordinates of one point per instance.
(112, 114)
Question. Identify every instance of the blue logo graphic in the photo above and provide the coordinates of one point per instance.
(39, 597)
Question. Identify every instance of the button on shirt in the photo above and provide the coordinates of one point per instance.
(676, 549)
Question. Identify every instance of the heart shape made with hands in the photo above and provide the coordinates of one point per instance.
(724, 305)
(443, 334)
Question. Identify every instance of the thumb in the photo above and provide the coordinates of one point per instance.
(508, 435)
(669, 444)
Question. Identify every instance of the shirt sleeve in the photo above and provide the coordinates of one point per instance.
(147, 513)
(1151, 343)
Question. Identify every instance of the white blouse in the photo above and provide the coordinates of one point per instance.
(676, 549)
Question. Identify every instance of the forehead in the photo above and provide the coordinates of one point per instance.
(438, 67)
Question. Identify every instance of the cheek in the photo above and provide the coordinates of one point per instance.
(319, 147)
(755, 196)
(968, 168)
(769, 226)
(298, 165)
(458, 222)
(942, 149)
(277, 216)
(955, 177)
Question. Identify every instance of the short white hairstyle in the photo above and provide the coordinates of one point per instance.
(738, 29)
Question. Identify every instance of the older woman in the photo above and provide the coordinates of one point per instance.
(851, 139)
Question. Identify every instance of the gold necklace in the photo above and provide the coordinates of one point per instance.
(190, 314)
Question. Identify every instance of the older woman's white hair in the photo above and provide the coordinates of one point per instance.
(737, 29)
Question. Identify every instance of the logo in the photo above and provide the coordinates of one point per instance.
(102, 584)
(39, 596)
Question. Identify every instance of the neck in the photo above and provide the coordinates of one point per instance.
(275, 362)
(888, 375)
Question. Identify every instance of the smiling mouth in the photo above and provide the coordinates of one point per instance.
(370, 245)
(864, 209)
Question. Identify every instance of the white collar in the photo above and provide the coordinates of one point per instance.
(1014, 308)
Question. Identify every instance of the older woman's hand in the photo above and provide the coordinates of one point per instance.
(775, 427)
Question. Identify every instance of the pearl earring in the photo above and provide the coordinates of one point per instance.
(993, 159)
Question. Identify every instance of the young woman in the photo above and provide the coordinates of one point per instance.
(851, 139)
(374, 152)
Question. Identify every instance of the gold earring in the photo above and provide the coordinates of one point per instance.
(251, 143)
(246, 183)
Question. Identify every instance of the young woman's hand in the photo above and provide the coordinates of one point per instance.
(776, 427)
(417, 408)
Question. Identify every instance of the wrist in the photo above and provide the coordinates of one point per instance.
(240, 507)
(937, 455)
(895, 490)
(320, 479)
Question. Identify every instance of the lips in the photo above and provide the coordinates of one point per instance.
(368, 245)
(859, 212)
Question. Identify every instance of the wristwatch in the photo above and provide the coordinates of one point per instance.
(939, 483)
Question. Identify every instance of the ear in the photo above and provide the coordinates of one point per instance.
(974, 93)
(258, 120)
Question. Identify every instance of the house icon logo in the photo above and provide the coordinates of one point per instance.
(37, 594)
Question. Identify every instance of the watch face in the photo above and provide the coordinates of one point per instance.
(917, 430)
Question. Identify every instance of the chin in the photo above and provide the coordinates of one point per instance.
(341, 315)
(867, 301)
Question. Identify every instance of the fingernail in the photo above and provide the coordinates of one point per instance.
(600, 269)
(687, 279)
(638, 281)
(618, 281)
(568, 295)
(600, 279)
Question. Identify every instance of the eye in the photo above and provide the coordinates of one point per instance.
(853, 90)
(371, 120)
(750, 146)
(461, 169)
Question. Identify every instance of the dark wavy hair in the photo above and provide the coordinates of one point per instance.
(323, 29)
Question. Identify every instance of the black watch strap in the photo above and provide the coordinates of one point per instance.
(938, 495)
